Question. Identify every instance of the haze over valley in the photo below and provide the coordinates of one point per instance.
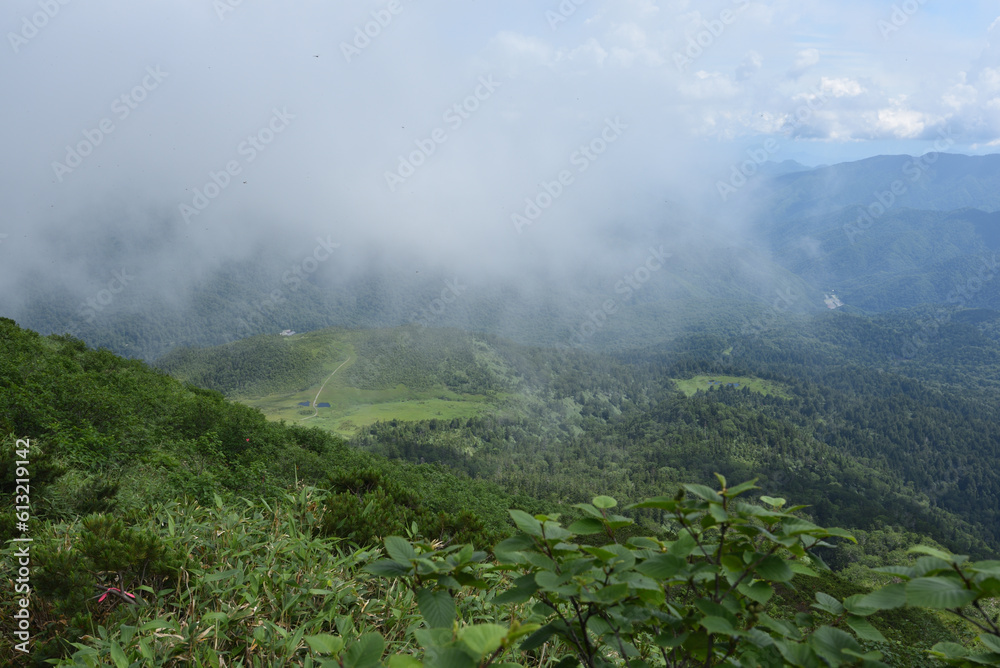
(446, 334)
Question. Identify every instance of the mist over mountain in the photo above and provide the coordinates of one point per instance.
(301, 167)
(638, 280)
(309, 310)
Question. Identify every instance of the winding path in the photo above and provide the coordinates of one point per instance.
(315, 407)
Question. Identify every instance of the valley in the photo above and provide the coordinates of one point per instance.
(880, 417)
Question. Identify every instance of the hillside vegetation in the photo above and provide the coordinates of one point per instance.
(814, 416)
(212, 536)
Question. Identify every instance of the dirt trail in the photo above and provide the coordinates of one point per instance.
(315, 407)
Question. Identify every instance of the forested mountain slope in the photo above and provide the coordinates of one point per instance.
(828, 410)
(207, 516)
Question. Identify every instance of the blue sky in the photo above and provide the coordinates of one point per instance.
(874, 78)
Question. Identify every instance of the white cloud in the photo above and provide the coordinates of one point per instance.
(751, 64)
(989, 80)
(899, 122)
(803, 61)
(843, 87)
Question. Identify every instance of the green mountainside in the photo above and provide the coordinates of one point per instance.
(307, 499)
(212, 535)
(827, 411)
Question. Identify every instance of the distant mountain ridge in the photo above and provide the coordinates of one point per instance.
(889, 232)
(886, 232)
(935, 181)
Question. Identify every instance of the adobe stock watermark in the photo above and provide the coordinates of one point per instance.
(704, 39)
(89, 309)
(22, 513)
(364, 34)
(582, 158)
(900, 16)
(454, 116)
(959, 297)
(292, 279)
(884, 200)
(248, 150)
(627, 288)
(740, 173)
(122, 107)
(32, 25)
(562, 13)
(436, 308)
(224, 7)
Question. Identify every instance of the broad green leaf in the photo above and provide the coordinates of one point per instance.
(624, 558)
(863, 628)
(403, 661)
(703, 492)
(437, 607)
(453, 657)
(325, 643)
(938, 592)
(718, 513)
(793, 526)
(781, 626)
(857, 606)
(524, 588)
(387, 568)
(514, 544)
(118, 656)
(718, 625)
(587, 526)
(661, 566)
(950, 650)
(801, 569)
(796, 654)
(830, 643)
(538, 638)
(604, 502)
(684, 545)
(742, 487)
(610, 594)
(940, 554)
(989, 586)
(365, 652)
(667, 503)
(399, 549)
(670, 640)
(987, 567)
(603, 555)
(526, 522)
(777, 502)
(559, 584)
(840, 533)
(991, 641)
(926, 565)
(899, 571)
(483, 639)
(828, 603)
(886, 598)
(758, 591)
(774, 569)
(589, 510)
